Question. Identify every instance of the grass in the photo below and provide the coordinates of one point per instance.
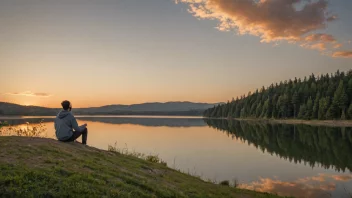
(125, 151)
(39, 167)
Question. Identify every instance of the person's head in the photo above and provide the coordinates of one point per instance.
(66, 105)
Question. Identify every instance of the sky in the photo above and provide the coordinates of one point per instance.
(99, 52)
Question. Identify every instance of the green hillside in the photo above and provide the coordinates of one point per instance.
(39, 167)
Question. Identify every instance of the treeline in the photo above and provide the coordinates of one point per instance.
(325, 97)
(328, 147)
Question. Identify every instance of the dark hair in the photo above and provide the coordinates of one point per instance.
(66, 104)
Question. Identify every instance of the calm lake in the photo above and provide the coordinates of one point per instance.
(291, 160)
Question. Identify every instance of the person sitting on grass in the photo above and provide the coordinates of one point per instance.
(66, 126)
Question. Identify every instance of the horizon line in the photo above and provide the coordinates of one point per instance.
(116, 104)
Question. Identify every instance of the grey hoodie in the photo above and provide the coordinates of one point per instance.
(65, 122)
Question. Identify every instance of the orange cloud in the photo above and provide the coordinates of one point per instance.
(316, 46)
(296, 189)
(343, 54)
(272, 20)
(337, 46)
(293, 21)
(29, 93)
(342, 177)
(320, 37)
(318, 186)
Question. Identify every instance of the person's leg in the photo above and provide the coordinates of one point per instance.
(71, 139)
(77, 134)
(84, 136)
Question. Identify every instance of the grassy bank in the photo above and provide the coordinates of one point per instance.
(331, 123)
(38, 167)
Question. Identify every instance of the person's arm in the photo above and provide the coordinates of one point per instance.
(75, 125)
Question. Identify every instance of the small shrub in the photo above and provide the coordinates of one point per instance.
(225, 183)
(3, 124)
(113, 148)
(36, 130)
(153, 158)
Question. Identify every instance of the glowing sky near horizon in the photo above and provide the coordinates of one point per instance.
(132, 51)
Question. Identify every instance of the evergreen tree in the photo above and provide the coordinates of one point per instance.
(225, 110)
(343, 102)
(323, 106)
(275, 112)
(330, 113)
(325, 97)
(349, 111)
(219, 111)
(309, 111)
(258, 111)
(242, 114)
(295, 102)
(302, 111)
(269, 111)
(349, 89)
(313, 90)
(343, 116)
(316, 106)
(334, 110)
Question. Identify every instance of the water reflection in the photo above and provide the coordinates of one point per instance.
(142, 121)
(319, 186)
(149, 121)
(269, 158)
(315, 145)
(21, 121)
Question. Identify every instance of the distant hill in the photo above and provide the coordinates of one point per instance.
(168, 108)
(15, 109)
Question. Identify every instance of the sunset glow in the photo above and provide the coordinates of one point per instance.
(130, 51)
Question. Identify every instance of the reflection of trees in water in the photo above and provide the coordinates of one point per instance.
(328, 146)
(170, 122)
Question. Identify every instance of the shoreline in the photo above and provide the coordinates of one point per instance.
(329, 123)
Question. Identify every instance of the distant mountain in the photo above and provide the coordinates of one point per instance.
(168, 108)
(151, 107)
(15, 109)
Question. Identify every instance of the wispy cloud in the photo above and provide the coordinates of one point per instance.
(343, 54)
(326, 38)
(337, 46)
(316, 46)
(292, 21)
(29, 93)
